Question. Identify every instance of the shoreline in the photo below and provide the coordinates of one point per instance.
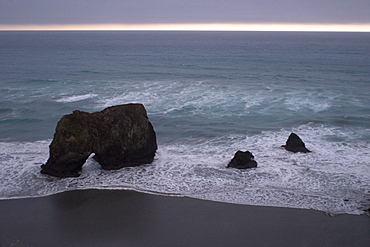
(130, 218)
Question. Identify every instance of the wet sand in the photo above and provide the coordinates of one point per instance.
(128, 218)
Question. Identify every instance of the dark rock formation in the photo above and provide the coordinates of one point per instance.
(295, 144)
(120, 136)
(243, 160)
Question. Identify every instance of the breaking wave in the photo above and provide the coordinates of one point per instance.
(332, 178)
(74, 98)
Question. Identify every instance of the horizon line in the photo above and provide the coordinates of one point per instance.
(303, 27)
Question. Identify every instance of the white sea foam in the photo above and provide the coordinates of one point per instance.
(212, 100)
(333, 178)
(307, 102)
(196, 97)
(74, 98)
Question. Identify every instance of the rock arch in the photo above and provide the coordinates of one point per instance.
(120, 136)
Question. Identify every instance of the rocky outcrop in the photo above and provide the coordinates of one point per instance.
(295, 144)
(243, 160)
(119, 136)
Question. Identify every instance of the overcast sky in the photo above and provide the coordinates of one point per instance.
(183, 11)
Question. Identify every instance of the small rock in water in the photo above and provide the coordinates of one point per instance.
(295, 144)
(243, 160)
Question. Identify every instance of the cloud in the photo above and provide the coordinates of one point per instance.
(176, 11)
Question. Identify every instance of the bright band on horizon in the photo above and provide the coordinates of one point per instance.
(194, 27)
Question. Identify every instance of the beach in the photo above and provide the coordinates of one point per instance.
(128, 218)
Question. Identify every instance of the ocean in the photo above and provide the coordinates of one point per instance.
(208, 95)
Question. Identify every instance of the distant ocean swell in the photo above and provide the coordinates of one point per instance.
(178, 108)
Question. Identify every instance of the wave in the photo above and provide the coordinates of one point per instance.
(333, 178)
(205, 98)
(74, 98)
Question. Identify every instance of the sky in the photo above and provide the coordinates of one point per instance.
(217, 14)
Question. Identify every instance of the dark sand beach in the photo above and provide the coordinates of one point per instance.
(128, 218)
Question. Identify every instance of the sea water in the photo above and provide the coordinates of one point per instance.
(208, 95)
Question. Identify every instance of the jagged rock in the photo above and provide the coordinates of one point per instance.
(243, 160)
(295, 144)
(120, 136)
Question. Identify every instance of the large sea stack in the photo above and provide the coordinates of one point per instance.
(119, 136)
(295, 144)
